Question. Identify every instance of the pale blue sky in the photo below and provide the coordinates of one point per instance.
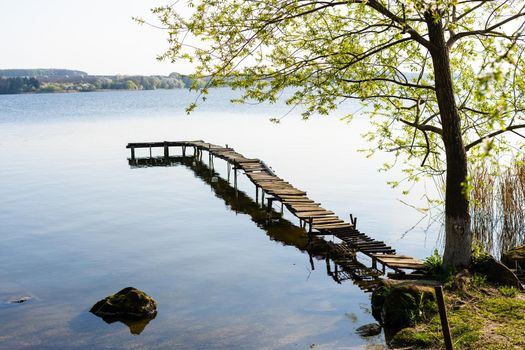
(96, 36)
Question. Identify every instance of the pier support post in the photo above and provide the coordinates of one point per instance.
(256, 194)
(269, 210)
(184, 151)
(166, 150)
(353, 221)
(235, 177)
(311, 261)
(210, 157)
(132, 153)
(270, 204)
(150, 152)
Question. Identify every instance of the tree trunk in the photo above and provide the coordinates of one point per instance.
(458, 236)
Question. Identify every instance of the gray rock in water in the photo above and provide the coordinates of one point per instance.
(369, 330)
(129, 302)
(19, 299)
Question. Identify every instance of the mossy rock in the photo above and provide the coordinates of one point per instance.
(127, 303)
(411, 337)
(496, 272)
(401, 305)
(513, 257)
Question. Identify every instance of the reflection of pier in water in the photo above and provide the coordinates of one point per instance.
(341, 262)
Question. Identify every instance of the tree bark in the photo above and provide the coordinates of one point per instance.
(458, 235)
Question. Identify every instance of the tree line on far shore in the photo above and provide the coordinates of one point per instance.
(27, 81)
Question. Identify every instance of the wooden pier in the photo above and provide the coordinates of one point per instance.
(315, 219)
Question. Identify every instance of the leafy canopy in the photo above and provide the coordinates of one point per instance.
(374, 51)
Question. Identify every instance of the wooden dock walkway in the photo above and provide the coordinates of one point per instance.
(312, 216)
(341, 264)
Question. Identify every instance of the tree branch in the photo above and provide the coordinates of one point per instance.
(493, 134)
(485, 31)
(381, 96)
(423, 127)
(376, 5)
(390, 81)
(373, 52)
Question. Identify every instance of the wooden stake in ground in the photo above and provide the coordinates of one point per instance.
(443, 315)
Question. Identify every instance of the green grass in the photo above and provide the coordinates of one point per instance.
(508, 291)
(482, 318)
(479, 280)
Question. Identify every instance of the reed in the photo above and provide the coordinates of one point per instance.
(498, 207)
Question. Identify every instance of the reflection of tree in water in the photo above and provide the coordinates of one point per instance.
(340, 264)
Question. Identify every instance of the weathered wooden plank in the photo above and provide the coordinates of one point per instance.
(156, 144)
(274, 182)
(393, 257)
(283, 188)
(406, 266)
(368, 252)
(296, 199)
(277, 185)
(331, 222)
(306, 215)
(288, 197)
(369, 243)
(310, 208)
(291, 192)
(299, 201)
(277, 188)
(379, 248)
(248, 160)
(302, 203)
(263, 176)
(330, 226)
(352, 235)
(386, 256)
(315, 212)
(400, 261)
(328, 219)
(253, 170)
(267, 181)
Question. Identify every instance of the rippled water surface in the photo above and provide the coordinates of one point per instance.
(78, 223)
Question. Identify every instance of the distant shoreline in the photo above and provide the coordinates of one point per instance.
(24, 81)
(41, 92)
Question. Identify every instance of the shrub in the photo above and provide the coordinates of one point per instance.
(434, 264)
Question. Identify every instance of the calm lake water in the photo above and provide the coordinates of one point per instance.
(77, 223)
